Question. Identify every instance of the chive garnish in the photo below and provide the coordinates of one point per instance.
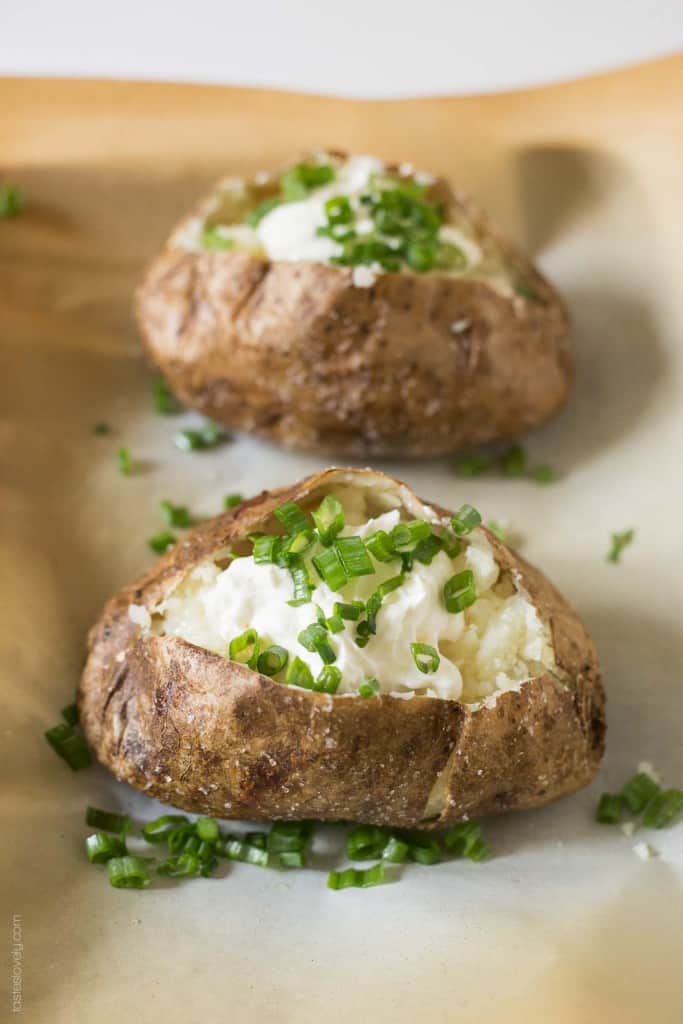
(330, 568)
(232, 500)
(663, 808)
(160, 829)
(11, 201)
(610, 809)
(513, 461)
(298, 182)
(354, 557)
(255, 216)
(272, 660)
(424, 850)
(329, 519)
(176, 515)
(366, 842)
(379, 546)
(161, 542)
(214, 240)
(293, 518)
(427, 548)
(315, 639)
(458, 592)
(465, 520)
(426, 657)
(235, 849)
(199, 439)
(473, 465)
(405, 536)
(328, 679)
(125, 461)
(299, 674)
(619, 542)
(106, 821)
(69, 745)
(245, 648)
(369, 688)
(101, 428)
(101, 847)
(70, 714)
(163, 400)
(466, 840)
(355, 878)
(128, 873)
(350, 612)
(303, 587)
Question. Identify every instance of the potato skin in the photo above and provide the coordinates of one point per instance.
(417, 364)
(207, 735)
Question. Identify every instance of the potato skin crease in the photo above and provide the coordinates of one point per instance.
(208, 735)
(416, 364)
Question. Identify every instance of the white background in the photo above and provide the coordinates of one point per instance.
(356, 48)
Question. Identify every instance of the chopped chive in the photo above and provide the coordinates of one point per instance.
(314, 638)
(525, 290)
(255, 216)
(70, 714)
(214, 239)
(329, 518)
(366, 842)
(180, 838)
(619, 542)
(350, 612)
(232, 500)
(125, 461)
(184, 865)
(69, 745)
(638, 792)
(330, 568)
(128, 873)
(235, 849)
(101, 428)
(297, 543)
(395, 851)
(161, 542)
(424, 850)
(497, 530)
(458, 592)
(610, 809)
(199, 439)
(354, 557)
(176, 515)
(163, 400)
(465, 519)
(11, 201)
(101, 847)
(291, 859)
(299, 181)
(426, 658)
(544, 474)
(207, 829)
(303, 586)
(328, 679)
(335, 624)
(159, 830)
(272, 660)
(427, 548)
(466, 840)
(293, 518)
(405, 536)
(245, 648)
(299, 674)
(369, 688)
(288, 840)
(263, 551)
(663, 808)
(379, 546)
(106, 821)
(451, 544)
(473, 465)
(338, 210)
(355, 878)
(513, 461)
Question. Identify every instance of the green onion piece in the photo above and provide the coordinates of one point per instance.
(351, 612)
(544, 474)
(235, 849)
(465, 519)
(427, 548)
(405, 536)
(70, 745)
(329, 518)
(426, 657)
(299, 674)
(303, 587)
(369, 688)
(291, 859)
(451, 544)
(162, 399)
(497, 530)
(335, 624)
(663, 808)
(232, 500)
(513, 461)
(328, 679)
(314, 638)
(264, 548)
(619, 542)
(214, 239)
(466, 840)
(472, 465)
(101, 847)
(128, 873)
(355, 878)
(185, 865)
(421, 256)
(255, 216)
(298, 182)
(338, 210)
(259, 839)
(244, 648)
(525, 291)
(207, 829)
(458, 592)
(158, 831)
(366, 842)
(297, 543)
(354, 557)
(424, 850)
(176, 515)
(293, 518)
(125, 461)
(101, 428)
(272, 660)
(11, 201)
(161, 542)
(450, 257)
(107, 821)
(330, 568)
(384, 589)
(289, 836)
(396, 851)
(181, 838)
(610, 809)
(70, 714)
(638, 792)
(207, 436)
(380, 547)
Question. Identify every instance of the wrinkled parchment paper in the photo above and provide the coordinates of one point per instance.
(565, 924)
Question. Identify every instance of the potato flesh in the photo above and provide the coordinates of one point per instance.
(491, 647)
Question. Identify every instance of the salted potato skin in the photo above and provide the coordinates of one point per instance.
(416, 364)
(210, 736)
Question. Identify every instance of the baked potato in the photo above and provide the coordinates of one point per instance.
(352, 306)
(339, 649)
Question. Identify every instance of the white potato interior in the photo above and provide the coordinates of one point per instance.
(492, 646)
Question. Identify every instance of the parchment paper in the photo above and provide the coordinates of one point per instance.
(565, 923)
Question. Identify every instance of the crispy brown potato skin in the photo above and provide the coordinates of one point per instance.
(294, 352)
(210, 736)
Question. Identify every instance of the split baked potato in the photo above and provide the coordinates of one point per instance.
(339, 649)
(352, 306)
